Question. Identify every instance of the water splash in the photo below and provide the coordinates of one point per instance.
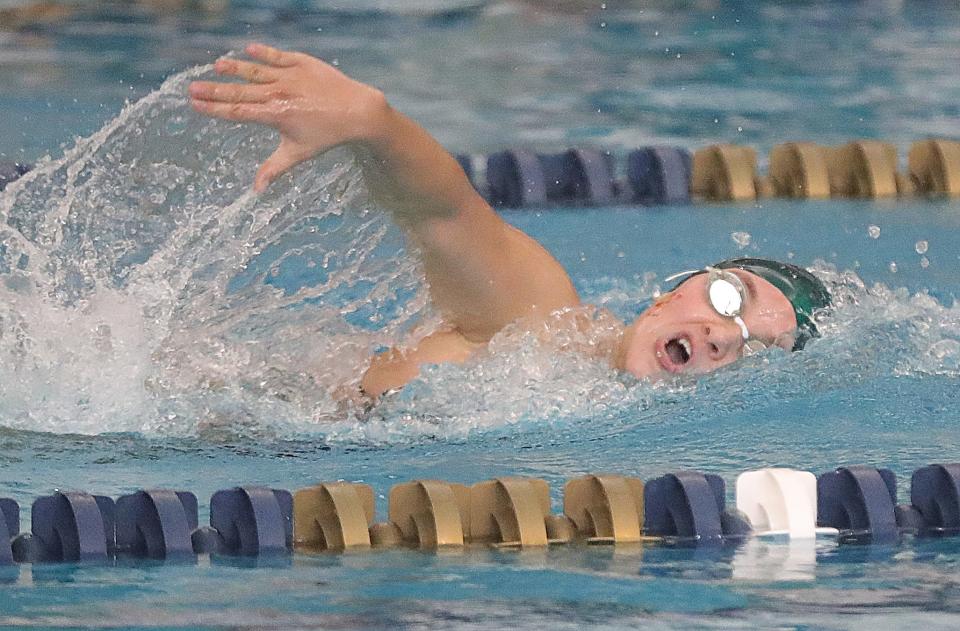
(144, 288)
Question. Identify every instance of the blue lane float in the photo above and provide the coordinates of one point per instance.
(9, 528)
(690, 506)
(859, 501)
(582, 177)
(248, 521)
(515, 179)
(659, 175)
(156, 524)
(935, 501)
(68, 526)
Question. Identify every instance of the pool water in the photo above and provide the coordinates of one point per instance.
(161, 327)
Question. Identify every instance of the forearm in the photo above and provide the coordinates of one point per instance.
(409, 172)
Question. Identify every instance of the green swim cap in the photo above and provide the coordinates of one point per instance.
(806, 292)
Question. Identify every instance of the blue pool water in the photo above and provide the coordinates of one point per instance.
(161, 327)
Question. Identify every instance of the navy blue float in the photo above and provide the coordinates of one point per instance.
(659, 175)
(860, 502)
(68, 526)
(9, 527)
(248, 521)
(935, 501)
(156, 524)
(515, 179)
(520, 178)
(580, 176)
(691, 506)
(10, 171)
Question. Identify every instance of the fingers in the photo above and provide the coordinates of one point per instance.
(254, 73)
(279, 161)
(230, 92)
(242, 112)
(272, 56)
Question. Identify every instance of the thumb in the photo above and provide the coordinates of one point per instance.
(281, 160)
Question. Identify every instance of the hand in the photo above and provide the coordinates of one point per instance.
(313, 105)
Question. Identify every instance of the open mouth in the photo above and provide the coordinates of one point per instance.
(677, 353)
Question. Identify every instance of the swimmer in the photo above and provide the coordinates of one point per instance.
(484, 274)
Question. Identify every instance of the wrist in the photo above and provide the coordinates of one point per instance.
(372, 117)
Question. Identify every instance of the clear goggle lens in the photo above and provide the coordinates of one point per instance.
(727, 295)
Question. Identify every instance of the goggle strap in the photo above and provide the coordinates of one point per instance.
(743, 327)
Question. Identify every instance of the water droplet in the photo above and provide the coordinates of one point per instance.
(921, 246)
(924, 262)
(874, 231)
(742, 239)
(893, 267)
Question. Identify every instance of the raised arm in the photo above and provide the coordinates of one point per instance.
(482, 272)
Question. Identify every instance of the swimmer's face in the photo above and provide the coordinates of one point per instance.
(682, 333)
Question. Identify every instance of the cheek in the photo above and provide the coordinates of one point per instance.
(781, 320)
(776, 325)
(639, 358)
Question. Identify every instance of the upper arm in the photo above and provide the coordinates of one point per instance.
(484, 273)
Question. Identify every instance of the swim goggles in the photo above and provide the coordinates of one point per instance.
(727, 296)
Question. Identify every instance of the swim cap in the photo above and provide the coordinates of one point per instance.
(806, 292)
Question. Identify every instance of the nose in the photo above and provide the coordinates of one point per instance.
(723, 341)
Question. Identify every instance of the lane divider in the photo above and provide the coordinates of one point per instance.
(867, 169)
(657, 175)
(855, 504)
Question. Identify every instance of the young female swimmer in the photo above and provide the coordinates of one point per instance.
(482, 273)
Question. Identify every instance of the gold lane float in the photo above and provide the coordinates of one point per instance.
(865, 169)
